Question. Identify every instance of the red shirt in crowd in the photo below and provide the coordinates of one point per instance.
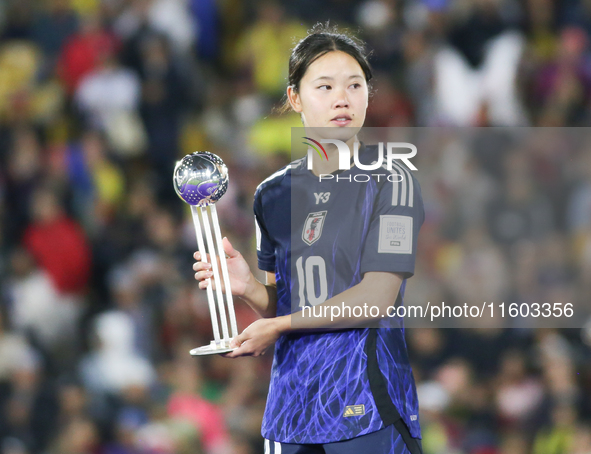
(60, 247)
(81, 54)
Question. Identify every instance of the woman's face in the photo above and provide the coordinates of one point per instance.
(332, 93)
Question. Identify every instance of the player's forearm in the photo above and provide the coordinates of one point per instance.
(262, 298)
(376, 289)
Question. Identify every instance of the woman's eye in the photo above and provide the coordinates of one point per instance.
(356, 85)
(324, 87)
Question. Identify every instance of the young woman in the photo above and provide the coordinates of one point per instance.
(336, 386)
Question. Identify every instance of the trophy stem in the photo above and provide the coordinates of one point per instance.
(209, 291)
(216, 273)
(225, 274)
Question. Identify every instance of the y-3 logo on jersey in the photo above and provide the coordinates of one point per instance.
(321, 197)
(313, 227)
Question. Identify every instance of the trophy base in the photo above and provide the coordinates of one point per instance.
(212, 349)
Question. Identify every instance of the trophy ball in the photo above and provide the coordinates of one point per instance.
(200, 178)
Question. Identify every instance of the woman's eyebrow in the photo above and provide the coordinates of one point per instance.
(353, 76)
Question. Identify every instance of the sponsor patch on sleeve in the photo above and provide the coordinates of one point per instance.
(395, 234)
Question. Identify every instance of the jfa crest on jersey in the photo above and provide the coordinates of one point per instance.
(320, 389)
(313, 227)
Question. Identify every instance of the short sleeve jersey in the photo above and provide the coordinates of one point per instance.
(319, 238)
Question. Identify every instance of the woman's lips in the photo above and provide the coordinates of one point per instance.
(341, 121)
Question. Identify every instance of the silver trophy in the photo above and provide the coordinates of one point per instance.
(201, 179)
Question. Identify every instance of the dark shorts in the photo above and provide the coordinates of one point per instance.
(385, 441)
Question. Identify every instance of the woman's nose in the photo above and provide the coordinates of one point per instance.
(341, 99)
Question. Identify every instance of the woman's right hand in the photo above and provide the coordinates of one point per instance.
(241, 277)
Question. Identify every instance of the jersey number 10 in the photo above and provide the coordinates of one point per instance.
(307, 287)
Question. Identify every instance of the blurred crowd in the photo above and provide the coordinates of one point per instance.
(98, 306)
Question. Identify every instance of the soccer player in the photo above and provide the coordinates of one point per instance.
(336, 386)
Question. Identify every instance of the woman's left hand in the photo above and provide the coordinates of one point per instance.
(256, 338)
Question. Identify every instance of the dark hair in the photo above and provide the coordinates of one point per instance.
(321, 39)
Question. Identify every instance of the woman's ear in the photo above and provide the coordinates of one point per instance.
(294, 99)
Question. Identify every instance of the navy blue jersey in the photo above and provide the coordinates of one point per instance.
(319, 238)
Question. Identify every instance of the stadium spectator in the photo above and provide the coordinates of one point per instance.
(108, 98)
(82, 51)
(57, 243)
